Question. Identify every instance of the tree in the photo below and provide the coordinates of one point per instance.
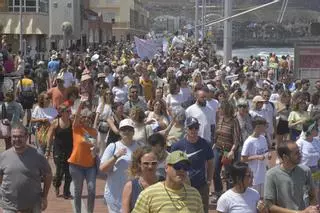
(67, 32)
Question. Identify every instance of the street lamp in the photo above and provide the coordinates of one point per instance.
(20, 14)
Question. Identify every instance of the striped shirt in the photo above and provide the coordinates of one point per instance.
(158, 198)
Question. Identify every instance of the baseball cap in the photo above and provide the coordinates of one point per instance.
(258, 98)
(176, 157)
(192, 121)
(126, 122)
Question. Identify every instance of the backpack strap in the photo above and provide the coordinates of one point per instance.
(3, 111)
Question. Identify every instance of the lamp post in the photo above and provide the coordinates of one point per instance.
(21, 39)
(227, 34)
(196, 34)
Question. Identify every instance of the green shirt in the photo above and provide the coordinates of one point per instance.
(158, 198)
(288, 189)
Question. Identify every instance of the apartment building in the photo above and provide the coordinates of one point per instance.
(35, 27)
(129, 18)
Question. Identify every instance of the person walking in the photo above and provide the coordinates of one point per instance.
(82, 161)
(115, 161)
(21, 170)
(201, 158)
(173, 194)
(287, 185)
(60, 137)
(142, 170)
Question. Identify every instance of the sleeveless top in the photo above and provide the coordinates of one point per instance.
(63, 140)
(136, 190)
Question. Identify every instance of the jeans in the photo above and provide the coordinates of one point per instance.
(78, 175)
(217, 173)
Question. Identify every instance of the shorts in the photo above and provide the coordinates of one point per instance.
(27, 105)
(283, 127)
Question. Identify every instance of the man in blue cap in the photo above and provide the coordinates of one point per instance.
(201, 157)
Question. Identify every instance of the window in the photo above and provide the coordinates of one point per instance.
(29, 6)
(43, 6)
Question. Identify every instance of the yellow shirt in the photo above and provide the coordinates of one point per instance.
(296, 116)
(160, 199)
(147, 88)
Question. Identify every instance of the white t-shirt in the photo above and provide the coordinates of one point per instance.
(68, 79)
(205, 118)
(117, 175)
(214, 105)
(104, 110)
(186, 94)
(120, 94)
(50, 113)
(109, 79)
(174, 100)
(256, 146)
(232, 202)
(310, 152)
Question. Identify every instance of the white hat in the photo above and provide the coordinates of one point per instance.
(95, 57)
(126, 122)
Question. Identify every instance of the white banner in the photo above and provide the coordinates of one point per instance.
(148, 48)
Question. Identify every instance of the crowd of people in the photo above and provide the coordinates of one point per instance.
(165, 132)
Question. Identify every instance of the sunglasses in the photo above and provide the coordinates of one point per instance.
(134, 92)
(181, 166)
(149, 163)
(242, 106)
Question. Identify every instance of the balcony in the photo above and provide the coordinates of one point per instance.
(33, 23)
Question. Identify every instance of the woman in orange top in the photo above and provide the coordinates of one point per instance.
(82, 162)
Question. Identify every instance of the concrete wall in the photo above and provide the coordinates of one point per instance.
(62, 11)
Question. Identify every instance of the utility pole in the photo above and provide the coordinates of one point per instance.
(21, 39)
(227, 34)
(203, 19)
(196, 34)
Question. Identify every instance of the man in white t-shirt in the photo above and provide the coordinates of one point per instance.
(203, 113)
(255, 151)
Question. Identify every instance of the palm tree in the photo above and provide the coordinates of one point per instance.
(67, 32)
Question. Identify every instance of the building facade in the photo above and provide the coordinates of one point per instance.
(35, 19)
(129, 18)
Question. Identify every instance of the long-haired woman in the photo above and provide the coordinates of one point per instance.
(142, 170)
(103, 112)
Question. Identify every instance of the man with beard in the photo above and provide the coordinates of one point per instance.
(204, 114)
(134, 100)
(201, 157)
(289, 185)
(21, 171)
(172, 195)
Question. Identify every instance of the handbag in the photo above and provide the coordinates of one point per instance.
(5, 126)
(41, 134)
